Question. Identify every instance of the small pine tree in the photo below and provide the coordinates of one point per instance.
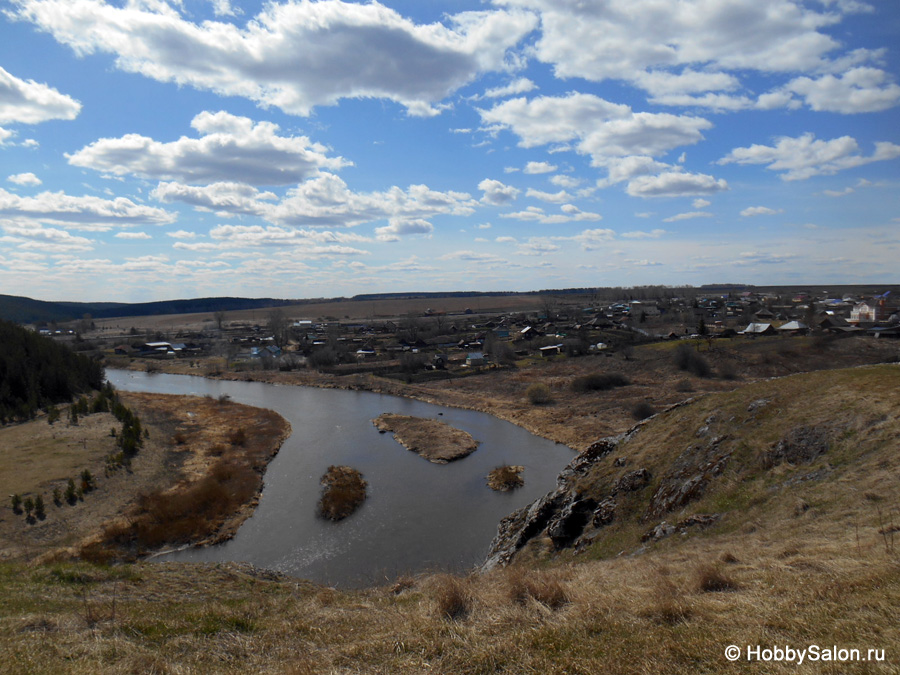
(52, 414)
(57, 496)
(16, 503)
(39, 509)
(28, 505)
(70, 491)
(87, 481)
(73, 415)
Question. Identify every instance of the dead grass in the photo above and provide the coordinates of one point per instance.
(505, 478)
(344, 491)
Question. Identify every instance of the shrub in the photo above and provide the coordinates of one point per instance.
(689, 360)
(87, 481)
(345, 491)
(16, 503)
(28, 505)
(545, 587)
(599, 382)
(684, 386)
(452, 598)
(179, 438)
(538, 393)
(642, 411)
(505, 478)
(71, 495)
(710, 579)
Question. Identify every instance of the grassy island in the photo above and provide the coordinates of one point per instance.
(436, 441)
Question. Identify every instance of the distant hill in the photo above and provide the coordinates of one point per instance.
(26, 310)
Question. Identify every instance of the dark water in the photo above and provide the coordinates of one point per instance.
(418, 516)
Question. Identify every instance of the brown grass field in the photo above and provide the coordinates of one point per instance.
(188, 444)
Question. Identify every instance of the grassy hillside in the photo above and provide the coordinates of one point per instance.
(802, 552)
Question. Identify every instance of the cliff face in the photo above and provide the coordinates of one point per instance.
(767, 450)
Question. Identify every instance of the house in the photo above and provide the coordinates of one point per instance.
(793, 327)
(475, 359)
(550, 350)
(755, 329)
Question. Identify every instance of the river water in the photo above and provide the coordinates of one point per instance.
(418, 516)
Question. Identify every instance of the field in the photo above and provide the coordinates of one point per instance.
(184, 435)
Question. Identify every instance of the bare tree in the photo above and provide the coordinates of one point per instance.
(278, 326)
(219, 316)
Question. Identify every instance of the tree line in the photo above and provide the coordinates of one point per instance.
(37, 372)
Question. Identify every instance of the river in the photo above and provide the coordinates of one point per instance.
(418, 516)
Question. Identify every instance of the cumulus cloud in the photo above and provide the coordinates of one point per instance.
(627, 39)
(675, 184)
(857, 91)
(539, 167)
(39, 238)
(292, 55)
(24, 179)
(229, 149)
(497, 193)
(804, 157)
(591, 240)
(569, 213)
(624, 142)
(133, 235)
(30, 102)
(85, 213)
(401, 228)
(561, 197)
(759, 211)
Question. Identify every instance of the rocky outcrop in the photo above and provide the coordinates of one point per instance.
(688, 478)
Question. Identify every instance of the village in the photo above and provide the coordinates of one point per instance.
(435, 343)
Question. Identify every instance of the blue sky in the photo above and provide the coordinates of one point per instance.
(157, 149)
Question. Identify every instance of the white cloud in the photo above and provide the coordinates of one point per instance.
(539, 168)
(687, 216)
(230, 149)
(231, 198)
(700, 203)
(497, 193)
(29, 102)
(521, 85)
(86, 213)
(591, 240)
(570, 213)
(675, 184)
(537, 246)
(568, 182)
(35, 237)
(292, 55)
(133, 235)
(653, 234)
(24, 179)
(622, 39)
(181, 234)
(759, 211)
(857, 91)
(561, 197)
(804, 157)
(401, 228)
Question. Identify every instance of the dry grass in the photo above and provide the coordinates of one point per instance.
(504, 478)
(344, 491)
(620, 616)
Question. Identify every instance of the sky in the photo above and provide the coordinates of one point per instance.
(159, 149)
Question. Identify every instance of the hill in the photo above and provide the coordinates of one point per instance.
(25, 310)
(801, 472)
(36, 372)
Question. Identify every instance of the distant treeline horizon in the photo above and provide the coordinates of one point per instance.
(24, 310)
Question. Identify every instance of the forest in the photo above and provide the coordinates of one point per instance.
(36, 372)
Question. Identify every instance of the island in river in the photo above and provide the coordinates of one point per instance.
(432, 439)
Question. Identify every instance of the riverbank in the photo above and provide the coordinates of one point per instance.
(189, 441)
(572, 416)
(431, 439)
